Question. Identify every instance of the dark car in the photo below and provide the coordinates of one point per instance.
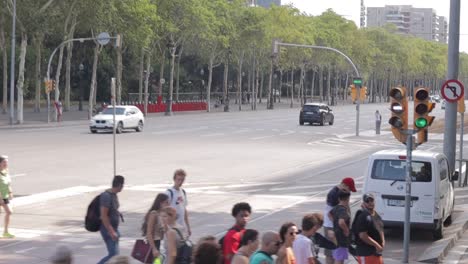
(316, 113)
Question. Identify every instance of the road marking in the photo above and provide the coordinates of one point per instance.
(289, 132)
(24, 250)
(179, 131)
(258, 138)
(18, 175)
(51, 195)
(213, 135)
(241, 131)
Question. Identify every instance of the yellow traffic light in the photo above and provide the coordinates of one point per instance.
(399, 109)
(353, 93)
(422, 108)
(363, 94)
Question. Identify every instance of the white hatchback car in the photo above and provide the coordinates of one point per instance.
(126, 117)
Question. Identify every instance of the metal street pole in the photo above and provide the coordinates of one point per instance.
(452, 73)
(12, 66)
(407, 225)
(460, 162)
(113, 126)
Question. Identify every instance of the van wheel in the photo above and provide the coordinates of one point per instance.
(322, 120)
(438, 233)
(449, 219)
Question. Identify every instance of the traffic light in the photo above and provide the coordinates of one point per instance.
(399, 109)
(353, 93)
(363, 94)
(422, 108)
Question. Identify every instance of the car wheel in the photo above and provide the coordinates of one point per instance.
(331, 122)
(322, 120)
(119, 128)
(438, 233)
(94, 131)
(139, 128)
(301, 122)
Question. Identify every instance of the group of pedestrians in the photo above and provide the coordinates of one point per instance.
(166, 227)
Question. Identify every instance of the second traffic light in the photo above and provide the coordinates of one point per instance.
(399, 108)
(422, 119)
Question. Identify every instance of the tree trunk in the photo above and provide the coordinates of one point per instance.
(148, 67)
(3, 47)
(68, 66)
(262, 79)
(161, 73)
(301, 85)
(38, 44)
(328, 85)
(171, 83)
(312, 87)
(239, 78)
(320, 73)
(140, 81)
(270, 93)
(208, 87)
(20, 83)
(178, 72)
(93, 82)
(118, 74)
(280, 86)
(292, 89)
(257, 83)
(225, 86)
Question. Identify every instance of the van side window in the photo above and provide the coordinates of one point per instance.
(443, 169)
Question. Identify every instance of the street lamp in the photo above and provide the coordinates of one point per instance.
(81, 68)
(202, 73)
(171, 47)
(275, 91)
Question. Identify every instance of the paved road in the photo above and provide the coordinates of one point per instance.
(264, 157)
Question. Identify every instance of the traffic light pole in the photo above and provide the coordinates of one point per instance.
(452, 73)
(406, 233)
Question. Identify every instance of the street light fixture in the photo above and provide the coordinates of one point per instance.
(171, 46)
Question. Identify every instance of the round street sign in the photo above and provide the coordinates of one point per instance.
(452, 90)
(103, 38)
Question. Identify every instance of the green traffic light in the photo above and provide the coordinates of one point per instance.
(420, 122)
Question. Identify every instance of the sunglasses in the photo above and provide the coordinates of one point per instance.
(293, 233)
(369, 200)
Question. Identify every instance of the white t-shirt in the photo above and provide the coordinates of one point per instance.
(178, 200)
(327, 222)
(302, 248)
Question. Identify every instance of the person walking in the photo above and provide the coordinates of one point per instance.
(249, 244)
(378, 121)
(341, 216)
(370, 238)
(152, 228)
(347, 184)
(303, 247)
(178, 200)
(271, 243)
(110, 217)
(172, 236)
(6, 193)
(288, 233)
(241, 213)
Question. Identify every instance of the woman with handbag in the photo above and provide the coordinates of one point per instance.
(152, 228)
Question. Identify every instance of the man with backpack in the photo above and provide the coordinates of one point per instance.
(369, 232)
(230, 242)
(178, 200)
(110, 217)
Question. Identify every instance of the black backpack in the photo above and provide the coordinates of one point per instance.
(354, 234)
(184, 251)
(93, 215)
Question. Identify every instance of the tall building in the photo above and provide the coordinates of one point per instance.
(420, 22)
(363, 15)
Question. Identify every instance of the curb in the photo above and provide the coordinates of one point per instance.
(439, 249)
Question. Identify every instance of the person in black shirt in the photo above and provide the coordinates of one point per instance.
(341, 217)
(370, 239)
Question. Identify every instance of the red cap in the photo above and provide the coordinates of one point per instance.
(350, 183)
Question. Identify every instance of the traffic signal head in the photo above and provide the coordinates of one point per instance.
(422, 108)
(399, 109)
(353, 93)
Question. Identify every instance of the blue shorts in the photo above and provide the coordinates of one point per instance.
(340, 254)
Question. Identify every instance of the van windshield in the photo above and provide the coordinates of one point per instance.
(395, 170)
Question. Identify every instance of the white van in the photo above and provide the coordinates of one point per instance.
(432, 192)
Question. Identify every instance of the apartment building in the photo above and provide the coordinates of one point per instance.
(420, 22)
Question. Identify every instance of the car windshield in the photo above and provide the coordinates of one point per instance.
(395, 170)
(110, 111)
(311, 108)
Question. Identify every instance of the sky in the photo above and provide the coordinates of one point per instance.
(350, 9)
